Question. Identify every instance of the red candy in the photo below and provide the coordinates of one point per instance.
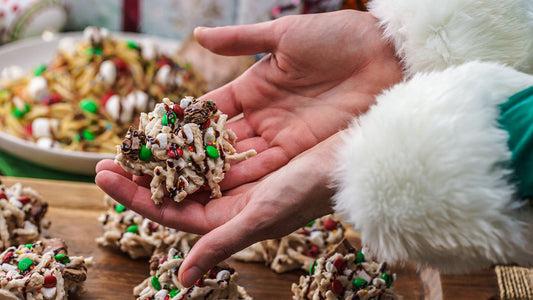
(178, 111)
(120, 64)
(179, 152)
(3, 196)
(339, 264)
(49, 281)
(199, 282)
(106, 97)
(312, 251)
(162, 62)
(24, 199)
(7, 256)
(330, 224)
(336, 286)
(171, 153)
(212, 273)
(52, 99)
(206, 124)
(29, 129)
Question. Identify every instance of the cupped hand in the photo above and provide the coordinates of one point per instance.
(270, 208)
(321, 70)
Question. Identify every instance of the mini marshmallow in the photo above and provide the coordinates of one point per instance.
(44, 127)
(112, 107)
(12, 73)
(38, 88)
(108, 72)
(163, 75)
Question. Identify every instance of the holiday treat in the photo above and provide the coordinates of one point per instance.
(41, 270)
(183, 146)
(138, 236)
(219, 283)
(86, 98)
(21, 215)
(299, 249)
(346, 276)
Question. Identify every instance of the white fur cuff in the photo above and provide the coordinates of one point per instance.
(432, 35)
(421, 176)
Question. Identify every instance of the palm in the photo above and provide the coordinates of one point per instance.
(305, 90)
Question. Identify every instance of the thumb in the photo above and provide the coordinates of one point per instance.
(214, 247)
(240, 39)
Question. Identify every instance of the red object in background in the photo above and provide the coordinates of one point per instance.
(130, 15)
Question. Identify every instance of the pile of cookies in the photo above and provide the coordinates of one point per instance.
(32, 267)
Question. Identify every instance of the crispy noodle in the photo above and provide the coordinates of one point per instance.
(183, 146)
(299, 249)
(219, 283)
(137, 236)
(86, 98)
(21, 215)
(346, 276)
(41, 271)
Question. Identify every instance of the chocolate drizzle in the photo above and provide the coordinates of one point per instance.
(132, 143)
(199, 112)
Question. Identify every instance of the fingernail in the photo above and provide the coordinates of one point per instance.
(190, 276)
(200, 28)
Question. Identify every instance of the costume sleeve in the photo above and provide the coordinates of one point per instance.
(427, 173)
(431, 35)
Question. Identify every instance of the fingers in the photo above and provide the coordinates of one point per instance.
(187, 215)
(109, 164)
(215, 247)
(254, 168)
(239, 39)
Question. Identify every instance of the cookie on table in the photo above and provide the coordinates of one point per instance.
(137, 236)
(347, 276)
(183, 146)
(42, 270)
(219, 283)
(21, 215)
(299, 249)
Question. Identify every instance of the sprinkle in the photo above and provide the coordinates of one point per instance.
(310, 223)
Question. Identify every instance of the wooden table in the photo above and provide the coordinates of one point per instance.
(75, 207)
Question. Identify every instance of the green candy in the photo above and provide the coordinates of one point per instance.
(177, 256)
(310, 223)
(145, 153)
(133, 229)
(62, 258)
(94, 51)
(28, 246)
(387, 278)
(155, 283)
(88, 105)
(120, 208)
(18, 113)
(173, 293)
(360, 257)
(212, 152)
(77, 138)
(168, 118)
(39, 70)
(359, 282)
(87, 135)
(25, 263)
(132, 45)
(312, 268)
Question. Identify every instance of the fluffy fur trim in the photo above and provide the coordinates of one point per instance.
(421, 174)
(431, 35)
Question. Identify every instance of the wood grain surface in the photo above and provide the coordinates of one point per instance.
(75, 207)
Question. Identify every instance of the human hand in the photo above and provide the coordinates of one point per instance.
(321, 71)
(273, 207)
